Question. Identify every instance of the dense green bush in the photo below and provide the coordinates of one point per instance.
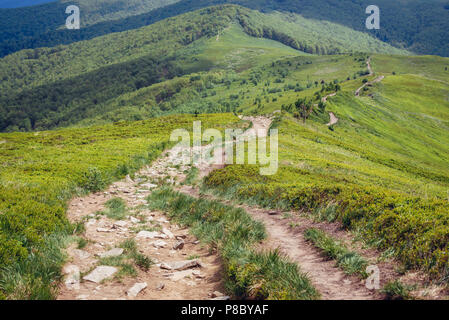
(417, 229)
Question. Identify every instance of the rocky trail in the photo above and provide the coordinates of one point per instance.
(182, 268)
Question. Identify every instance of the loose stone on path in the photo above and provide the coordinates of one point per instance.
(180, 265)
(151, 235)
(100, 273)
(136, 289)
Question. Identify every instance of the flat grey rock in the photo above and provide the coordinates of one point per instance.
(159, 244)
(100, 273)
(180, 265)
(120, 224)
(151, 235)
(72, 281)
(136, 289)
(148, 185)
(134, 220)
(222, 298)
(83, 255)
(168, 233)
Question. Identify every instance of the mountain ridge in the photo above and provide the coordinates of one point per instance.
(414, 25)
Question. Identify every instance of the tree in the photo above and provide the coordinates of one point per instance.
(305, 108)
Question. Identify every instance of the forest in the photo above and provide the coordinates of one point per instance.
(420, 26)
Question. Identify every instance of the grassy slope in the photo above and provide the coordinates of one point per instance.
(29, 68)
(319, 36)
(226, 90)
(41, 171)
(391, 180)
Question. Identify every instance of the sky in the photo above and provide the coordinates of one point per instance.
(21, 3)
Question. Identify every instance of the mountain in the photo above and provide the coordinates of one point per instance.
(415, 25)
(363, 127)
(53, 87)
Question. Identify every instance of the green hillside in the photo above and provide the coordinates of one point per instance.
(33, 193)
(382, 169)
(416, 25)
(55, 87)
(100, 10)
(99, 104)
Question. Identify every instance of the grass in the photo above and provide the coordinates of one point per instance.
(82, 243)
(192, 176)
(116, 209)
(250, 273)
(396, 290)
(351, 262)
(36, 276)
(41, 171)
(142, 261)
(126, 261)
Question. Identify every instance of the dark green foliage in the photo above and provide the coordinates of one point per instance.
(417, 25)
(94, 180)
(395, 290)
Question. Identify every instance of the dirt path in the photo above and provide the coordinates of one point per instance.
(324, 99)
(333, 119)
(329, 280)
(155, 237)
(368, 65)
(369, 83)
(104, 234)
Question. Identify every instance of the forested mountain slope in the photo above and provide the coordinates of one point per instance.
(415, 25)
(51, 87)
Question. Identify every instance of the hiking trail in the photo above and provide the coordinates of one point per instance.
(195, 272)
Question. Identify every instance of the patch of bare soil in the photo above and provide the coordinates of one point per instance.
(333, 119)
